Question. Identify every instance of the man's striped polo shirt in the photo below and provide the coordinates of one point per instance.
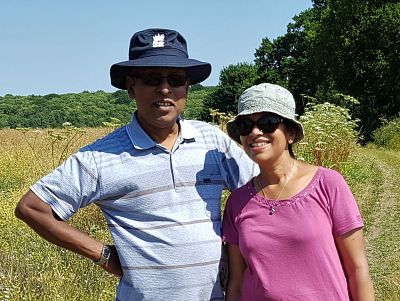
(162, 207)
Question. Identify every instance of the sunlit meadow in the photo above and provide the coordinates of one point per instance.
(32, 269)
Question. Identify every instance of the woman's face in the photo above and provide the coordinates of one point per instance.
(264, 137)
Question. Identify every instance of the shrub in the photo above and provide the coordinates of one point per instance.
(388, 135)
(330, 135)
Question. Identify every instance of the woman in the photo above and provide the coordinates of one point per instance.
(294, 232)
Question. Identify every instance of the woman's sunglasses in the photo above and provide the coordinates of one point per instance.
(267, 124)
(155, 79)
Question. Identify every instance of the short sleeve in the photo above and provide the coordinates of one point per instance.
(72, 185)
(345, 213)
(229, 228)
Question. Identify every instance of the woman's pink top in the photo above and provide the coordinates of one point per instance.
(289, 246)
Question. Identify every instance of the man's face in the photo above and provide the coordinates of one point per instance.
(160, 95)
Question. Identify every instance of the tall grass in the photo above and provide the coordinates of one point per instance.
(380, 200)
(330, 135)
(32, 269)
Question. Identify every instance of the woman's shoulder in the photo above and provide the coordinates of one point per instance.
(305, 169)
(331, 174)
(306, 172)
(245, 189)
(320, 178)
(241, 195)
(309, 170)
(330, 179)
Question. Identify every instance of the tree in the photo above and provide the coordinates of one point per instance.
(336, 48)
(52, 110)
(358, 48)
(233, 80)
(194, 103)
(287, 61)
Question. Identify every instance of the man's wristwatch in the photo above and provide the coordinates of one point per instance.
(105, 255)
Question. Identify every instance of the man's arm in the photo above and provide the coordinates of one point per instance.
(351, 247)
(41, 218)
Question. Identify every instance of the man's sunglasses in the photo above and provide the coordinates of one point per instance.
(155, 79)
(267, 124)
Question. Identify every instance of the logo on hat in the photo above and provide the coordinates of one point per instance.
(158, 40)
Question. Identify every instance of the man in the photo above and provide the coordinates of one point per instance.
(158, 181)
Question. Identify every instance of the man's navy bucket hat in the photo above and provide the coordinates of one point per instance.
(156, 47)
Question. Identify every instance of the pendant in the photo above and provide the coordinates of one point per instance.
(271, 210)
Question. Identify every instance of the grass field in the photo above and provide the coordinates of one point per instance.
(32, 269)
(380, 199)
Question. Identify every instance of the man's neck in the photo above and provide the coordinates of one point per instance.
(166, 136)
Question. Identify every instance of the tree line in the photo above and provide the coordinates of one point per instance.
(85, 109)
(345, 52)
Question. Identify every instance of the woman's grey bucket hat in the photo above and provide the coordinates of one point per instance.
(266, 98)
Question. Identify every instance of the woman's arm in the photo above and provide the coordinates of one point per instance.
(351, 247)
(236, 267)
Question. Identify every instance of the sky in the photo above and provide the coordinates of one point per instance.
(54, 46)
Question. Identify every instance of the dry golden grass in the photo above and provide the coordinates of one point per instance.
(31, 268)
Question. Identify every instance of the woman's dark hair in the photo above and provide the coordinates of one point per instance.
(291, 153)
(291, 127)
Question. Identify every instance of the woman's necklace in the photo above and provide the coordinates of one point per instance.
(271, 207)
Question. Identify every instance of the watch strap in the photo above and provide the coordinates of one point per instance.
(105, 255)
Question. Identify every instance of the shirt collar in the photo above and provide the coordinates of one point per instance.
(141, 140)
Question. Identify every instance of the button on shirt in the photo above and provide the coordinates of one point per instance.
(162, 207)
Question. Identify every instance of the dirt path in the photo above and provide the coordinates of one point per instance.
(389, 190)
(383, 243)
